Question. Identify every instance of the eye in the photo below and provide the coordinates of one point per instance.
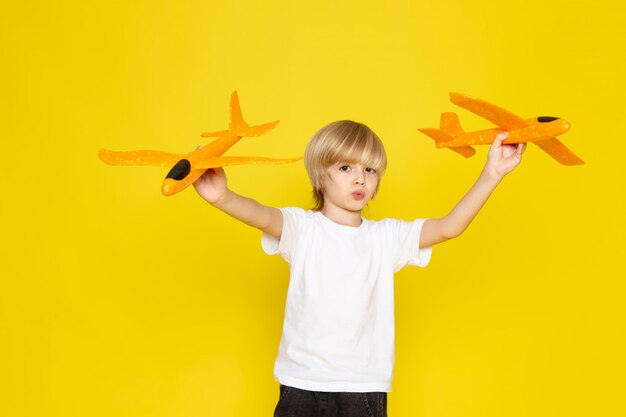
(345, 168)
(370, 170)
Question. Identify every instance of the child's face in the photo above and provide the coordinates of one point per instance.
(348, 186)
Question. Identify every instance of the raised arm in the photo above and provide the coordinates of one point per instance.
(213, 187)
(502, 159)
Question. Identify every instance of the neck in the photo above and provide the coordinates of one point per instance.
(342, 217)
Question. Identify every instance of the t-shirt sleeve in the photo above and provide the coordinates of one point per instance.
(293, 218)
(407, 249)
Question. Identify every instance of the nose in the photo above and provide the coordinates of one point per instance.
(359, 178)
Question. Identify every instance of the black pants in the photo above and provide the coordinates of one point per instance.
(294, 402)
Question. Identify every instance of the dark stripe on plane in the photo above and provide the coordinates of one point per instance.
(546, 119)
(180, 170)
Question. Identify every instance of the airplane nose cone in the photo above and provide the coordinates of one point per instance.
(173, 182)
(168, 188)
(554, 125)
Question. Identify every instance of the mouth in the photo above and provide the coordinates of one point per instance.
(358, 195)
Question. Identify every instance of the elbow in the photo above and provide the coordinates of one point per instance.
(452, 232)
(439, 232)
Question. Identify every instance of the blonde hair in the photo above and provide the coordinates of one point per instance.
(342, 141)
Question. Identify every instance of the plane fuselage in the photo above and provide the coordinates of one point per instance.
(536, 131)
(183, 173)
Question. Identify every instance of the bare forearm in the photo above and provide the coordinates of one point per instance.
(466, 210)
(251, 212)
(502, 159)
(452, 225)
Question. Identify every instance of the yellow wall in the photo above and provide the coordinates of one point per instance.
(117, 301)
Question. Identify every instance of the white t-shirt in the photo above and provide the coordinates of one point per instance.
(338, 332)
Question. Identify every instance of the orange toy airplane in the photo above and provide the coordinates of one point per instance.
(187, 168)
(539, 130)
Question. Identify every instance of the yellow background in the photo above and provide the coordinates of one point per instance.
(117, 301)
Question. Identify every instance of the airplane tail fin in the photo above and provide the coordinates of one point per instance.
(236, 118)
(449, 126)
(450, 123)
(238, 126)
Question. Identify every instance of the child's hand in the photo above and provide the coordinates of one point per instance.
(503, 159)
(211, 185)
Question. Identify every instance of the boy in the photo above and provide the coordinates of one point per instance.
(337, 348)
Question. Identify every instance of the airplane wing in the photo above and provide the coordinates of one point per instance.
(245, 131)
(215, 134)
(140, 158)
(257, 130)
(222, 161)
(496, 115)
(558, 151)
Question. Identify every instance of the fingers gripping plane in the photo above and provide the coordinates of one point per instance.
(185, 169)
(539, 130)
